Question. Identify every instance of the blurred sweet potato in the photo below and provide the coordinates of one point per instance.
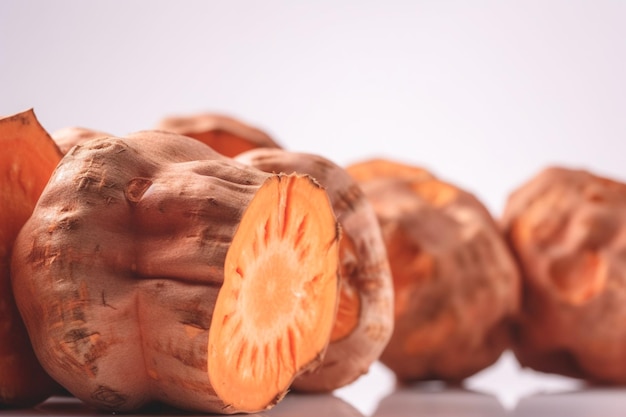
(227, 135)
(68, 137)
(456, 283)
(567, 228)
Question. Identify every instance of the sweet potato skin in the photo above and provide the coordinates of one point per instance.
(28, 158)
(456, 283)
(118, 271)
(227, 135)
(68, 137)
(566, 227)
(365, 272)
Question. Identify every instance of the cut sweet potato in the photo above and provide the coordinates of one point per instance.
(227, 135)
(365, 317)
(456, 282)
(27, 160)
(566, 227)
(155, 269)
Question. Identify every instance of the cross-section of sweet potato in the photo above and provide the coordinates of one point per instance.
(568, 229)
(365, 317)
(455, 280)
(227, 135)
(155, 269)
(27, 160)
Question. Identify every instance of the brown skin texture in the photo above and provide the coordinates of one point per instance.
(456, 283)
(67, 137)
(365, 318)
(227, 135)
(27, 160)
(155, 269)
(567, 228)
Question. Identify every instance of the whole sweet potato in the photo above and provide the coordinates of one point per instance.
(568, 229)
(155, 269)
(456, 283)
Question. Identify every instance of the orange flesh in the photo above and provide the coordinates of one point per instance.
(27, 160)
(275, 311)
(349, 309)
(225, 143)
(347, 313)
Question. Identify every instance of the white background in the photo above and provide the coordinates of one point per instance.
(483, 93)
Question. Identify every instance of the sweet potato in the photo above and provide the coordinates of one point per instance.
(567, 228)
(155, 269)
(226, 135)
(67, 137)
(365, 317)
(456, 283)
(27, 160)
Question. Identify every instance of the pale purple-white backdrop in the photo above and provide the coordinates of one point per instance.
(484, 93)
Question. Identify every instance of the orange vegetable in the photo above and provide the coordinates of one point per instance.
(365, 318)
(456, 283)
(567, 228)
(68, 137)
(227, 135)
(155, 269)
(27, 160)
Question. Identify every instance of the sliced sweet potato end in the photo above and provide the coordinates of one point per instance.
(276, 308)
(349, 310)
(28, 158)
(348, 313)
(29, 155)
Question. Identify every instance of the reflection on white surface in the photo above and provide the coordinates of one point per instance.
(505, 381)
(424, 401)
(300, 405)
(421, 400)
(510, 383)
(303, 405)
(592, 402)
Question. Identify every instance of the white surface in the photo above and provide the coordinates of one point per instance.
(504, 384)
(484, 93)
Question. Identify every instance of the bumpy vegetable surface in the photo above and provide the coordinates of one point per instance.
(365, 318)
(568, 230)
(456, 283)
(155, 269)
(27, 160)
